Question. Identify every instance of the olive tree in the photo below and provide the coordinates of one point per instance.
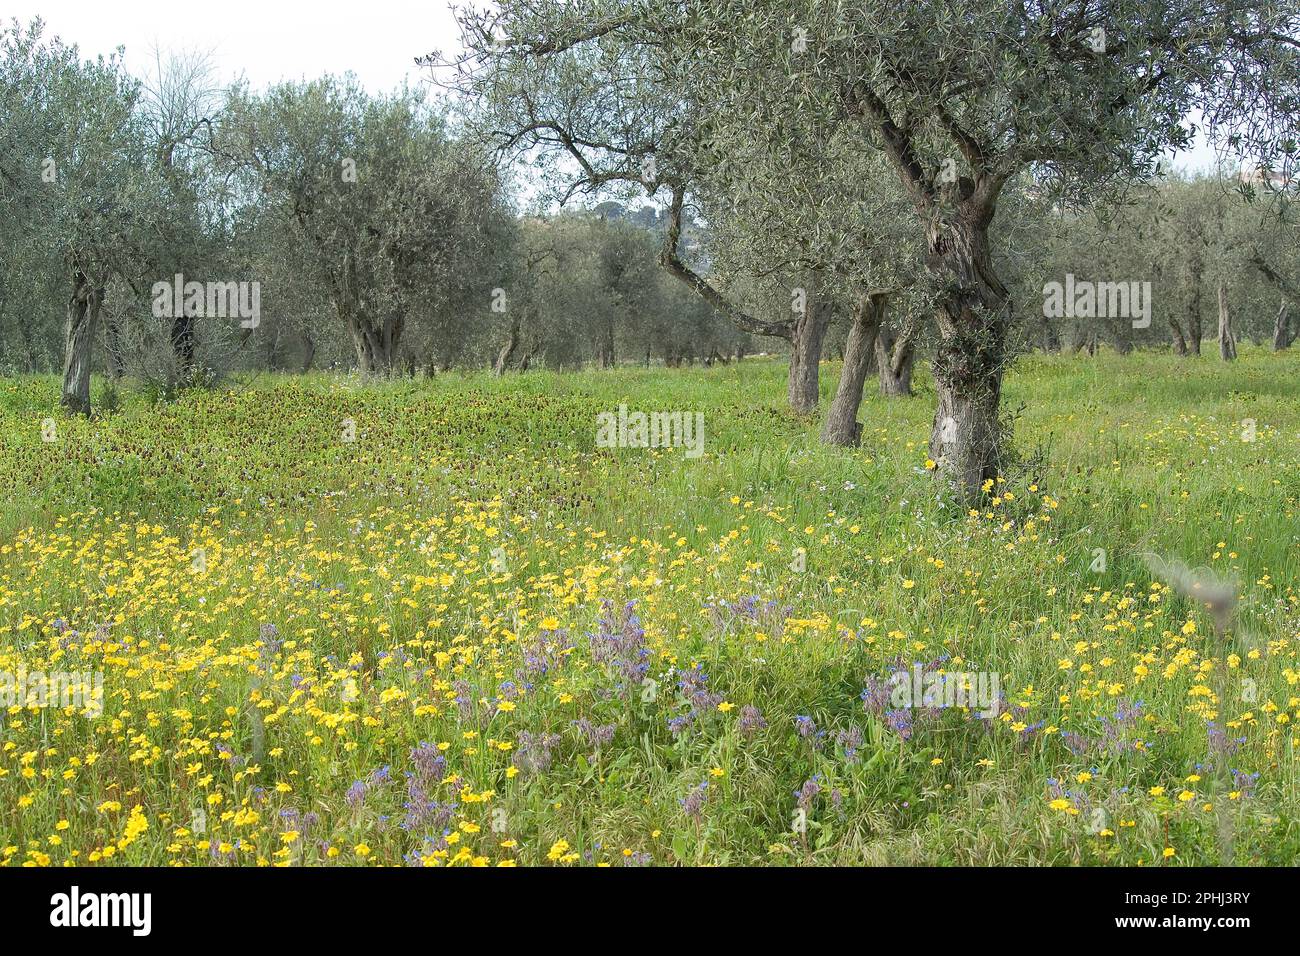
(82, 188)
(959, 99)
(600, 120)
(397, 212)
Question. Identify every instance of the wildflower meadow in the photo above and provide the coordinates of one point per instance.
(352, 623)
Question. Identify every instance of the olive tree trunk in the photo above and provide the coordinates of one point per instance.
(116, 361)
(1051, 338)
(1180, 341)
(895, 355)
(1282, 334)
(309, 352)
(182, 338)
(79, 340)
(375, 342)
(507, 352)
(605, 344)
(1194, 315)
(1227, 341)
(842, 427)
(806, 339)
(965, 439)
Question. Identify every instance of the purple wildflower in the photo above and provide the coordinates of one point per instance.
(465, 702)
(807, 728)
(806, 794)
(900, 722)
(875, 696)
(430, 765)
(533, 752)
(620, 646)
(596, 735)
(850, 740)
(693, 802)
(751, 720)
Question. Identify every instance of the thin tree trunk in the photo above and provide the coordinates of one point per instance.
(182, 336)
(79, 338)
(1227, 341)
(1051, 338)
(842, 427)
(1194, 314)
(275, 350)
(605, 349)
(113, 339)
(29, 346)
(309, 346)
(507, 352)
(1282, 336)
(1180, 342)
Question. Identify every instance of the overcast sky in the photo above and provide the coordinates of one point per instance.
(266, 40)
(272, 40)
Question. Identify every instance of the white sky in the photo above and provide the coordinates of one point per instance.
(266, 40)
(273, 40)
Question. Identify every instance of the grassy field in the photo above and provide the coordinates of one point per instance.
(471, 637)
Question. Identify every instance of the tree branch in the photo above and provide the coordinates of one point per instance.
(672, 262)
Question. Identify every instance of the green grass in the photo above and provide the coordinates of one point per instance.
(375, 562)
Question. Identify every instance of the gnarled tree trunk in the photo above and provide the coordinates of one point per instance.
(894, 357)
(965, 439)
(842, 427)
(1283, 334)
(375, 344)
